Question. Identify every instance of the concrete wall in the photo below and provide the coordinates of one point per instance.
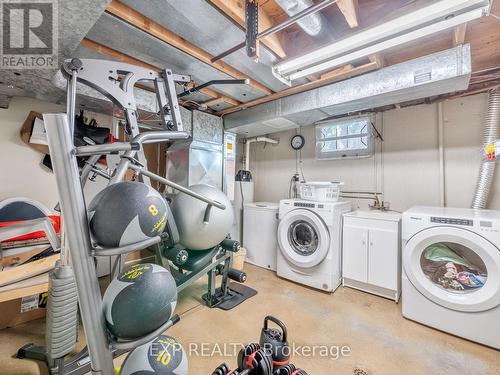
(22, 174)
(405, 167)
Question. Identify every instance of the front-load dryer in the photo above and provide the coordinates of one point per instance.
(309, 239)
(451, 271)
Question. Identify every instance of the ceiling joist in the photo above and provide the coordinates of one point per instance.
(87, 43)
(213, 102)
(336, 72)
(326, 79)
(153, 28)
(459, 34)
(235, 10)
(350, 10)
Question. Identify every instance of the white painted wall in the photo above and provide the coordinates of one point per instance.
(405, 167)
(22, 174)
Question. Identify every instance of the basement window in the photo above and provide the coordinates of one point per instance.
(344, 138)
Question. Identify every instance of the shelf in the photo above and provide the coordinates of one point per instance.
(34, 285)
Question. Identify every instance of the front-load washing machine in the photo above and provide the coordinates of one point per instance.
(451, 271)
(309, 239)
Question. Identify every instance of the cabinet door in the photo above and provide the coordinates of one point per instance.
(383, 258)
(354, 254)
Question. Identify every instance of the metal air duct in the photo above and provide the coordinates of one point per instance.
(436, 74)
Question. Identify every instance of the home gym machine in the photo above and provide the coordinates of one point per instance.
(116, 82)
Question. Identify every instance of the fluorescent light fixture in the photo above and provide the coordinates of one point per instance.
(438, 16)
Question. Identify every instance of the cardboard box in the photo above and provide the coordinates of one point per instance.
(22, 310)
(27, 128)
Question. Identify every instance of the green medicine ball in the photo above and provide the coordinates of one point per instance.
(126, 213)
(163, 356)
(139, 301)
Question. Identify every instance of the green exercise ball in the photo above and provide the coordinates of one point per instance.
(163, 356)
(139, 300)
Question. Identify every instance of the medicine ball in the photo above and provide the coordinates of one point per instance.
(163, 356)
(139, 300)
(125, 213)
(189, 213)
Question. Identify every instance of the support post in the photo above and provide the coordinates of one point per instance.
(77, 233)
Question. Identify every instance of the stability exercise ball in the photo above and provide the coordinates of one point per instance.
(189, 215)
(125, 213)
(163, 356)
(139, 300)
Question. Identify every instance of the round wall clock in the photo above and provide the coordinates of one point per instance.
(297, 142)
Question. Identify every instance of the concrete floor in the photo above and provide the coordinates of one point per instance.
(375, 336)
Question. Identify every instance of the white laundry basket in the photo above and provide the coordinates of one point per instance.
(320, 191)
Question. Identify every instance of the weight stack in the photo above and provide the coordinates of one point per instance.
(62, 313)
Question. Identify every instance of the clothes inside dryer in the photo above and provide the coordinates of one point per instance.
(454, 267)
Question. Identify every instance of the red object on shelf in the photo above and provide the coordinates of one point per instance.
(56, 222)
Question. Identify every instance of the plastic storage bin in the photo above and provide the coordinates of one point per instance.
(320, 191)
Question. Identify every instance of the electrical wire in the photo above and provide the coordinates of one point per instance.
(290, 188)
(301, 162)
(242, 196)
(495, 16)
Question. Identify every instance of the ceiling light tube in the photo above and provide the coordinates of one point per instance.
(419, 33)
(425, 21)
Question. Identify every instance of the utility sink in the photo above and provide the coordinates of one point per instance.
(375, 214)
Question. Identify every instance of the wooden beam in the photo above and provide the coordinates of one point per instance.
(213, 102)
(459, 34)
(336, 72)
(469, 92)
(87, 43)
(306, 86)
(350, 10)
(101, 48)
(235, 9)
(153, 28)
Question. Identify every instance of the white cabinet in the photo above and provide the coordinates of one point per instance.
(260, 225)
(355, 264)
(371, 252)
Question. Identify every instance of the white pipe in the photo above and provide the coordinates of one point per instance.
(247, 148)
(442, 190)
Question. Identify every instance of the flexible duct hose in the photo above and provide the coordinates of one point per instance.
(491, 134)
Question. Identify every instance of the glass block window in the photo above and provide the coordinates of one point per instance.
(342, 138)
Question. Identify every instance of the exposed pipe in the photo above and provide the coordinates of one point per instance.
(311, 24)
(491, 134)
(274, 29)
(247, 148)
(442, 190)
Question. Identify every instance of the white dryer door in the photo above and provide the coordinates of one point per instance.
(303, 238)
(455, 268)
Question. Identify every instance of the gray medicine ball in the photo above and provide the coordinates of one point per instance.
(139, 300)
(125, 213)
(189, 213)
(163, 356)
